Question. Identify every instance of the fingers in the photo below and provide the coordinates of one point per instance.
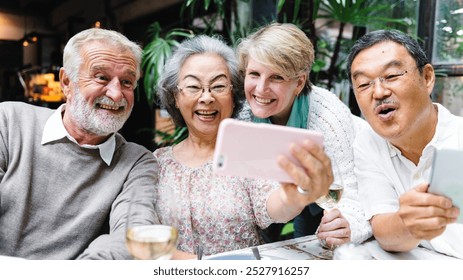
(416, 204)
(426, 215)
(420, 230)
(313, 159)
(334, 229)
(331, 215)
(419, 196)
(313, 172)
(292, 197)
(333, 220)
(427, 226)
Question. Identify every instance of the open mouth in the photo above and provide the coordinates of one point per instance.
(206, 114)
(386, 111)
(263, 101)
(110, 107)
(385, 108)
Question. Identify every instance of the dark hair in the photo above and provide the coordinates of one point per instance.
(379, 36)
(167, 85)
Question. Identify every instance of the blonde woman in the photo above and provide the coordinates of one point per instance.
(275, 62)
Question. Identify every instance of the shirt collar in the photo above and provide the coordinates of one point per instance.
(54, 130)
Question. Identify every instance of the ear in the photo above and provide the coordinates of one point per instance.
(301, 80)
(64, 82)
(429, 77)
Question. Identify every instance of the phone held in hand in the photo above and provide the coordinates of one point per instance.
(447, 176)
(251, 150)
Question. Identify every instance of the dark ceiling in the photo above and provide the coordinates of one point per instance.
(29, 7)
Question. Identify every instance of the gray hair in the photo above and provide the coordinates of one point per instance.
(201, 44)
(72, 59)
(379, 36)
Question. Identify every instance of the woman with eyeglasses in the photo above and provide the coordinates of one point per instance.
(200, 86)
(275, 62)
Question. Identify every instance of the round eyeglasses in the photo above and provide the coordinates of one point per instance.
(387, 81)
(196, 90)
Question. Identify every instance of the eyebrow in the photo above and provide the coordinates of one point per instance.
(103, 68)
(211, 80)
(392, 63)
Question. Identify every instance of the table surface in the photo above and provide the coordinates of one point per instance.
(309, 248)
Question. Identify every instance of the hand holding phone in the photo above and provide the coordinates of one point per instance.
(251, 149)
(447, 176)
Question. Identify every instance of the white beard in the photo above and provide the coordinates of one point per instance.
(94, 120)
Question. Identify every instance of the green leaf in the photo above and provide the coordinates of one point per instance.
(297, 4)
(280, 5)
(155, 54)
(206, 4)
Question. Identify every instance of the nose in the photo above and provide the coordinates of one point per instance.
(379, 89)
(206, 96)
(114, 90)
(261, 84)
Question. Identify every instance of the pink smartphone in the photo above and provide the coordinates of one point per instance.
(251, 150)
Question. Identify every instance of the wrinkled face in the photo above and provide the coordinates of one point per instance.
(205, 93)
(101, 100)
(270, 94)
(390, 91)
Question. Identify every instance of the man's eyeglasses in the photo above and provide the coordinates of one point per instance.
(219, 89)
(366, 87)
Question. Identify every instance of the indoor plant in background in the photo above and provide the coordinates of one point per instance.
(328, 69)
(155, 53)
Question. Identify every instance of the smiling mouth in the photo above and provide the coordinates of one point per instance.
(263, 100)
(206, 113)
(110, 107)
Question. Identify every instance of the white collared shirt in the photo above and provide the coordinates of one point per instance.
(54, 130)
(384, 174)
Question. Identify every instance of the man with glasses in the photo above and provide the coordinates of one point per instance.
(392, 81)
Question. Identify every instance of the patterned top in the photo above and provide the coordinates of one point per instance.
(220, 213)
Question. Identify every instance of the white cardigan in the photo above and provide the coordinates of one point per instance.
(333, 118)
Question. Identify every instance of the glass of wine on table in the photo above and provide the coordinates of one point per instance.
(146, 238)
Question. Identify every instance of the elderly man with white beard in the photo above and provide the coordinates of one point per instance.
(66, 175)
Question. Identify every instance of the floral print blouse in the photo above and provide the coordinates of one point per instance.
(219, 213)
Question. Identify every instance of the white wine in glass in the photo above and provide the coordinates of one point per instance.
(330, 200)
(146, 238)
(152, 242)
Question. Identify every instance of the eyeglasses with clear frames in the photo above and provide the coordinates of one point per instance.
(219, 89)
(386, 81)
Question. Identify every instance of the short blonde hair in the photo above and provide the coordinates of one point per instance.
(282, 47)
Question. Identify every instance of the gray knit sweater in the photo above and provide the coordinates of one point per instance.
(59, 200)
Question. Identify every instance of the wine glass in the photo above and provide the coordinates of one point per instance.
(146, 238)
(330, 200)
